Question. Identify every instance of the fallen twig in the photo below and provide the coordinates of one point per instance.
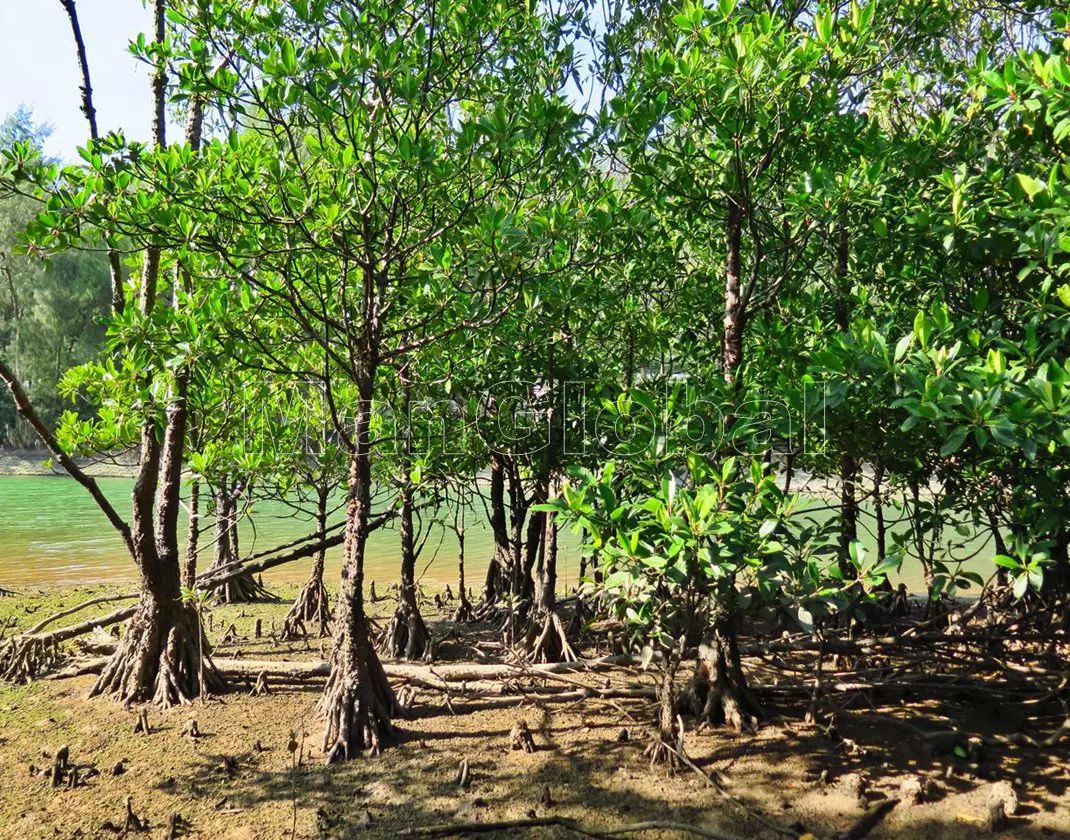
(563, 822)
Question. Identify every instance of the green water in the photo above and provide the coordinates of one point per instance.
(52, 532)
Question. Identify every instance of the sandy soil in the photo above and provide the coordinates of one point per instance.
(240, 780)
(38, 462)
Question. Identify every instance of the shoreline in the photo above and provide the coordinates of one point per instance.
(34, 462)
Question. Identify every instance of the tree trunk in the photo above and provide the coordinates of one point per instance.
(313, 601)
(848, 512)
(732, 337)
(189, 568)
(849, 465)
(241, 589)
(667, 745)
(718, 692)
(464, 607)
(1001, 546)
(358, 701)
(1057, 576)
(498, 570)
(406, 636)
(518, 516)
(547, 637)
(159, 656)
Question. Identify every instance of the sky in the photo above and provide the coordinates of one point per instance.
(39, 68)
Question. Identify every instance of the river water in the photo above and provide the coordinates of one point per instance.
(51, 531)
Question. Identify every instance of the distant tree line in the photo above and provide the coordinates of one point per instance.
(51, 312)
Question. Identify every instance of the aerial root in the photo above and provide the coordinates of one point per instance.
(359, 707)
(25, 657)
(243, 589)
(718, 693)
(406, 636)
(166, 669)
(311, 605)
(464, 612)
(550, 644)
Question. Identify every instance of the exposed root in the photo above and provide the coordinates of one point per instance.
(312, 605)
(177, 826)
(133, 822)
(576, 624)
(490, 611)
(464, 612)
(142, 726)
(718, 691)
(242, 589)
(550, 644)
(158, 659)
(24, 657)
(358, 703)
(667, 745)
(667, 753)
(520, 737)
(30, 654)
(6, 593)
(261, 688)
(406, 637)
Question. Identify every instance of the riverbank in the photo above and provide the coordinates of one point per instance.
(38, 462)
(239, 779)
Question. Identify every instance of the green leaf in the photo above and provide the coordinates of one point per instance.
(888, 565)
(288, 57)
(923, 328)
(994, 80)
(903, 345)
(1029, 185)
(954, 441)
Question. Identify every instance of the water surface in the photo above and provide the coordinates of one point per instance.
(51, 531)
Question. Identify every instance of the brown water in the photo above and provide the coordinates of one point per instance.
(51, 531)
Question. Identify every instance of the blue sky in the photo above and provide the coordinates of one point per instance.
(38, 67)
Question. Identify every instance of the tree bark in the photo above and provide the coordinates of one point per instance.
(848, 512)
(464, 610)
(548, 637)
(718, 692)
(358, 701)
(406, 636)
(189, 568)
(313, 602)
(849, 464)
(499, 569)
(732, 340)
(118, 296)
(243, 588)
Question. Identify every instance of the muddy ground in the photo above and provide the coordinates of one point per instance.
(240, 779)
